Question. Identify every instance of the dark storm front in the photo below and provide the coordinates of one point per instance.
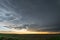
(44, 13)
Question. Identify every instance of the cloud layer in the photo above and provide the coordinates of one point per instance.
(38, 15)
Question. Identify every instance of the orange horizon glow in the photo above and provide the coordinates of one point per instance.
(27, 32)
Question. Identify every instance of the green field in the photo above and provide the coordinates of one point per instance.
(29, 37)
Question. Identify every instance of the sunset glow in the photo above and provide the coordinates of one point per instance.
(25, 31)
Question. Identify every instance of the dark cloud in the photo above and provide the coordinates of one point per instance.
(36, 27)
(37, 14)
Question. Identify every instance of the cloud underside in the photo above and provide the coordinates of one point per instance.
(36, 15)
(25, 31)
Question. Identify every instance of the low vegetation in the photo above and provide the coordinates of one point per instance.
(28, 37)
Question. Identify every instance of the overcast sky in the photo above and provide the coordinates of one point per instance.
(39, 15)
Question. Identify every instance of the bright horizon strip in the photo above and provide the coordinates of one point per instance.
(24, 31)
(30, 32)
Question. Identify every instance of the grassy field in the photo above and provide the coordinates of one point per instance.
(29, 37)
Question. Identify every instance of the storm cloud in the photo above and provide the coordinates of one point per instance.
(40, 15)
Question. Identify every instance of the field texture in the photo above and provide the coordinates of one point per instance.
(29, 37)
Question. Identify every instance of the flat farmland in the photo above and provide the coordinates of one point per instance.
(29, 36)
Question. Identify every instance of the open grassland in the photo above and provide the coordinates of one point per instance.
(29, 36)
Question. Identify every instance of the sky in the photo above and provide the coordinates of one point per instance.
(36, 15)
